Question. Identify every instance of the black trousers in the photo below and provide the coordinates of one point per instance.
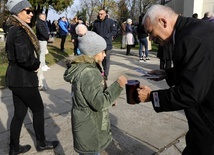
(63, 38)
(165, 64)
(106, 63)
(128, 49)
(24, 98)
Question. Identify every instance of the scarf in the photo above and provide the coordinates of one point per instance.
(15, 21)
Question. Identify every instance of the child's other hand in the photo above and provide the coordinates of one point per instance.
(122, 81)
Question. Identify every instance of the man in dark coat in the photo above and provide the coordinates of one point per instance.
(191, 79)
(106, 28)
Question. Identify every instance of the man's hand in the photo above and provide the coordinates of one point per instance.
(144, 93)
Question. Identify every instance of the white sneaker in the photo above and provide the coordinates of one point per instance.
(141, 60)
(46, 52)
(45, 68)
(147, 59)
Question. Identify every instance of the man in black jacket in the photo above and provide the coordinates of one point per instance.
(106, 28)
(191, 79)
(42, 33)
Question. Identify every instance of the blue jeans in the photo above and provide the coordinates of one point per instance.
(89, 154)
(143, 42)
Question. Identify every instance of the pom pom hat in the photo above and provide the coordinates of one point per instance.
(90, 43)
(16, 6)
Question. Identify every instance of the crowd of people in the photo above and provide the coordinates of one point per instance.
(190, 79)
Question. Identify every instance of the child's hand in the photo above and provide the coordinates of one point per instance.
(122, 81)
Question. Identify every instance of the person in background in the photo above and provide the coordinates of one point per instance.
(92, 99)
(142, 36)
(129, 36)
(165, 56)
(106, 28)
(123, 32)
(211, 19)
(63, 32)
(191, 79)
(42, 33)
(79, 20)
(22, 49)
(195, 15)
(207, 16)
(5, 28)
(71, 26)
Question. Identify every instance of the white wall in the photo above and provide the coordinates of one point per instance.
(189, 7)
(208, 6)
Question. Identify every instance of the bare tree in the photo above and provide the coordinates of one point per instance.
(91, 7)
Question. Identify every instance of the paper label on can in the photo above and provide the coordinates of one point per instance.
(156, 99)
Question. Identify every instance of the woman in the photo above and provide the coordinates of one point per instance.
(21, 78)
(91, 100)
(129, 36)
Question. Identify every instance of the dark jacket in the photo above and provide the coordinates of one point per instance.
(165, 52)
(107, 29)
(42, 31)
(22, 60)
(141, 33)
(91, 101)
(192, 82)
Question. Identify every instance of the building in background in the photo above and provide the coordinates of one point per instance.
(189, 7)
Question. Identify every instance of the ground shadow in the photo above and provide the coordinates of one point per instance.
(125, 144)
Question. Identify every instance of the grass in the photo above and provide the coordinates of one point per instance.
(54, 56)
(117, 44)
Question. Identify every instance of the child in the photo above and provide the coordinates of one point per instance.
(91, 100)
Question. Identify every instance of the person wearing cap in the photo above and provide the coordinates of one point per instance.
(129, 36)
(22, 49)
(91, 99)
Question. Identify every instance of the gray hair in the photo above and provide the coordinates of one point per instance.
(156, 10)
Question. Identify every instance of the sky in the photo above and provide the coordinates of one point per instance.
(70, 13)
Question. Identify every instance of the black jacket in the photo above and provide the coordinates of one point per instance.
(192, 82)
(22, 61)
(107, 29)
(42, 31)
(141, 31)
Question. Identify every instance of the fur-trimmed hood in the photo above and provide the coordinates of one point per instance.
(77, 64)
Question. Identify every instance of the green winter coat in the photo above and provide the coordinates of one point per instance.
(91, 100)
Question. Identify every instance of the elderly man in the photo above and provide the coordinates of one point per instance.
(191, 80)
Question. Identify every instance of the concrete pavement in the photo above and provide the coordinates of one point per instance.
(137, 129)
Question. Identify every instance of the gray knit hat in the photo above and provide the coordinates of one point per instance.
(91, 43)
(16, 6)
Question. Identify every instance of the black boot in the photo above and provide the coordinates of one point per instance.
(46, 145)
(22, 149)
(128, 49)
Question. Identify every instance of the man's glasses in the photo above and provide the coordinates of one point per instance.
(28, 11)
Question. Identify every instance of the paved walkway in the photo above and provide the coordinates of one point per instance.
(137, 129)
